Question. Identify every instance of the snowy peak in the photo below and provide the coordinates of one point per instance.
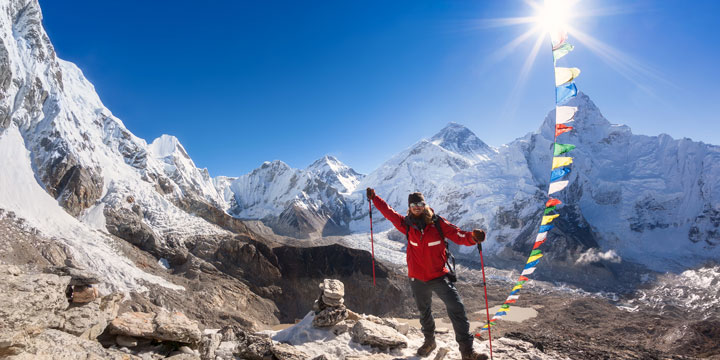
(459, 139)
(336, 174)
(167, 145)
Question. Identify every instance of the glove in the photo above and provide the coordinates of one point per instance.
(478, 235)
(370, 193)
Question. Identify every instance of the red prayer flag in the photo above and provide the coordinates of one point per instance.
(523, 278)
(537, 244)
(510, 301)
(560, 128)
(552, 202)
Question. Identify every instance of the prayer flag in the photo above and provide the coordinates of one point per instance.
(564, 92)
(558, 37)
(548, 219)
(564, 114)
(538, 243)
(561, 129)
(535, 252)
(553, 202)
(557, 174)
(528, 271)
(545, 228)
(540, 237)
(561, 161)
(535, 258)
(557, 186)
(548, 210)
(560, 149)
(563, 75)
(561, 51)
(523, 278)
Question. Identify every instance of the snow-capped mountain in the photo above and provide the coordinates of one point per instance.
(296, 202)
(85, 158)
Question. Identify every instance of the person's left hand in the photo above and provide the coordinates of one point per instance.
(478, 235)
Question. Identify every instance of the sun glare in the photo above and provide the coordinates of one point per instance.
(554, 14)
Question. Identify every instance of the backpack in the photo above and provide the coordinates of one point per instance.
(436, 220)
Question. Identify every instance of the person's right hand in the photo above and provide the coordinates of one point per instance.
(370, 193)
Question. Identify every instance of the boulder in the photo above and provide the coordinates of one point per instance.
(287, 352)
(383, 337)
(332, 301)
(78, 275)
(165, 326)
(136, 324)
(176, 326)
(239, 343)
(330, 316)
(342, 327)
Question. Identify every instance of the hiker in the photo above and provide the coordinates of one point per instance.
(426, 259)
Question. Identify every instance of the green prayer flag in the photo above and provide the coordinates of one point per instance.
(563, 50)
(549, 210)
(563, 148)
(521, 282)
(505, 306)
(535, 252)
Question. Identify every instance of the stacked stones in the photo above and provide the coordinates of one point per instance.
(329, 307)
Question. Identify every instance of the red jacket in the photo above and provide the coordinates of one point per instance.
(426, 256)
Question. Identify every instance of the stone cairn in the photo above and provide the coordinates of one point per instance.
(330, 306)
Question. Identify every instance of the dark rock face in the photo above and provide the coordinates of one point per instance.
(128, 226)
(303, 268)
(211, 213)
(79, 189)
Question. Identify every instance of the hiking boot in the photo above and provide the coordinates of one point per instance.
(427, 347)
(468, 353)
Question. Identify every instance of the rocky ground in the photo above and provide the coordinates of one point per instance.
(221, 314)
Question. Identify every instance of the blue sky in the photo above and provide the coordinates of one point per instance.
(242, 82)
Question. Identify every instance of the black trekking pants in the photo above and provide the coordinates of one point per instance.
(446, 291)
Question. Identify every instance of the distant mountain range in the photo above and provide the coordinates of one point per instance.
(651, 200)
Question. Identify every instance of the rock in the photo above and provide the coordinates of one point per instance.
(332, 302)
(55, 344)
(126, 341)
(89, 320)
(366, 332)
(137, 324)
(186, 349)
(176, 327)
(330, 316)
(333, 289)
(342, 327)
(237, 342)
(353, 315)
(288, 352)
(208, 344)
(30, 304)
(84, 293)
(183, 356)
(440, 355)
(165, 326)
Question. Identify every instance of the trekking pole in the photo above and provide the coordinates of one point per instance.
(372, 243)
(487, 308)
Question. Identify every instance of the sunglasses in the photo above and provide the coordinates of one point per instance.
(418, 204)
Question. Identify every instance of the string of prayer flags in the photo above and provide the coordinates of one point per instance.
(565, 90)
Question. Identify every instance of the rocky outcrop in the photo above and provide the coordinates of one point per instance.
(128, 226)
(37, 319)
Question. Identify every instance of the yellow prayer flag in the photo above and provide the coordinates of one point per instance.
(563, 75)
(561, 161)
(516, 287)
(534, 257)
(548, 219)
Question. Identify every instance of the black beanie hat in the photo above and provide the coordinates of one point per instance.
(415, 197)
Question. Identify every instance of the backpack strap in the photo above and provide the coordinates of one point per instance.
(436, 220)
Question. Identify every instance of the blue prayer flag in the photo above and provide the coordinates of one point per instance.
(544, 228)
(564, 92)
(559, 173)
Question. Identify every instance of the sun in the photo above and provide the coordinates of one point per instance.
(554, 15)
